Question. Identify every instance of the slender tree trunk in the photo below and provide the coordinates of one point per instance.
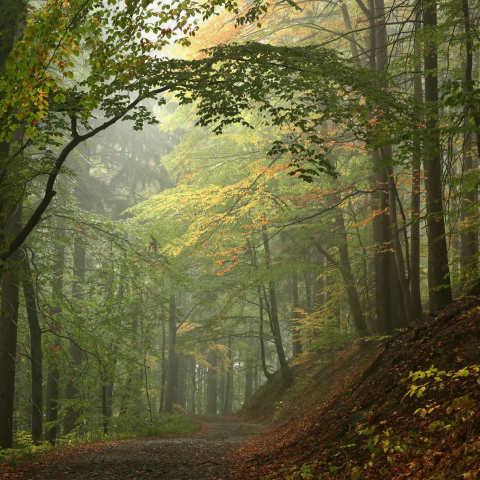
(109, 382)
(320, 284)
(229, 384)
(308, 292)
(172, 380)
(350, 37)
(182, 377)
(397, 245)
(440, 291)
(36, 354)
(346, 271)
(469, 35)
(72, 391)
(391, 306)
(416, 187)
(53, 377)
(200, 397)
(212, 382)
(297, 339)
(221, 392)
(194, 384)
(249, 370)
(164, 364)
(275, 323)
(267, 374)
(469, 239)
(381, 234)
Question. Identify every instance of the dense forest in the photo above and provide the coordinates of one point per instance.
(198, 197)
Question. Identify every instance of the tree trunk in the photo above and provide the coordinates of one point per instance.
(397, 245)
(469, 239)
(308, 292)
(416, 175)
(36, 354)
(53, 378)
(267, 374)
(109, 380)
(221, 392)
(10, 224)
(319, 284)
(182, 378)
(347, 275)
(8, 333)
(297, 339)
(440, 290)
(212, 382)
(469, 236)
(350, 37)
(249, 370)
(172, 378)
(72, 391)
(227, 408)
(194, 384)
(164, 363)
(383, 286)
(274, 320)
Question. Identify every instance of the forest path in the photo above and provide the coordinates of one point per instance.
(198, 456)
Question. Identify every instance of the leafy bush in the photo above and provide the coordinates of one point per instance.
(169, 425)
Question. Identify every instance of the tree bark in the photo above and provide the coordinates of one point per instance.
(267, 374)
(227, 408)
(182, 377)
(350, 37)
(53, 377)
(397, 245)
(249, 366)
(36, 354)
(72, 391)
(275, 323)
(469, 235)
(416, 187)
(172, 378)
(296, 337)
(11, 17)
(8, 333)
(308, 292)
(440, 290)
(212, 382)
(469, 239)
(164, 363)
(340, 239)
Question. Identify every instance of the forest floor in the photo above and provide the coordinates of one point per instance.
(399, 407)
(202, 455)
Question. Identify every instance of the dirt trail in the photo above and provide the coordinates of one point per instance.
(200, 456)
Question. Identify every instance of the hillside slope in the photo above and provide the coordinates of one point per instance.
(407, 407)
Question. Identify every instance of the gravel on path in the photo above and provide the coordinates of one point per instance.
(198, 456)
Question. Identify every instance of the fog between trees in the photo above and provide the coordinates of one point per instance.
(178, 224)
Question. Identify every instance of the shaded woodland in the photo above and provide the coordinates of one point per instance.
(196, 197)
